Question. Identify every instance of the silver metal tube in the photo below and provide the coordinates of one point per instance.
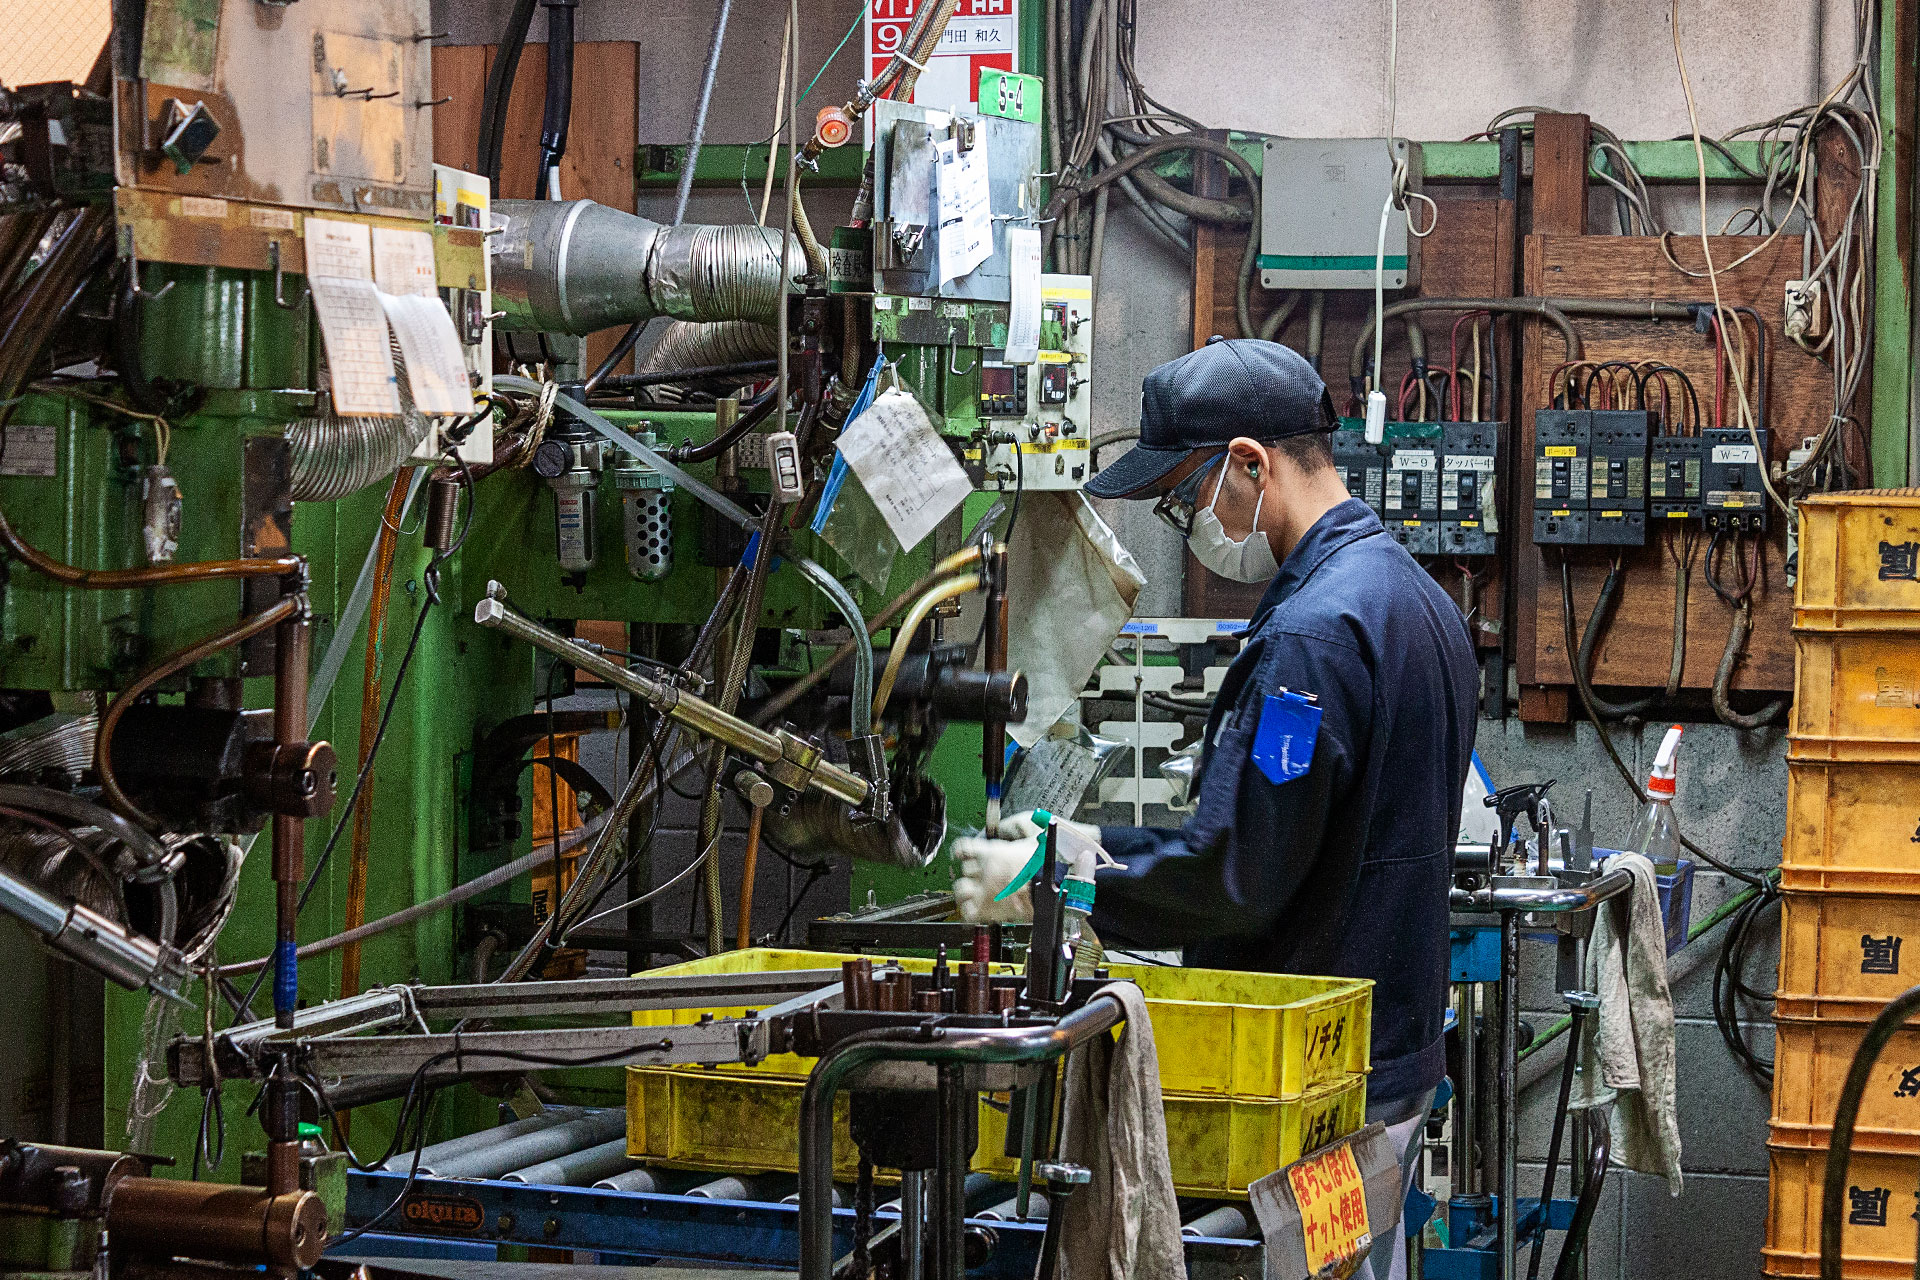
(730, 1187)
(431, 1157)
(1506, 1068)
(695, 713)
(89, 938)
(913, 1221)
(643, 1181)
(574, 266)
(849, 608)
(1227, 1223)
(1465, 1166)
(497, 1158)
(1583, 898)
(707, 75)
(577, 1168)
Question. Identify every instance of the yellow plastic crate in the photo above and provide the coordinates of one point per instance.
(1850, 826)
(1856, 696)
(1218, 1146)
(1857, 553)
(1246, 1035)
(735, 1122)
(1870, 1248)
(1849, 947)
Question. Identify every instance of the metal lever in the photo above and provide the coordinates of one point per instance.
(280, 280)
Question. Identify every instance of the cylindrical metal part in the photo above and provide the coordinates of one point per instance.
(927, 1001)
(735, 1187)
(289, 833)
(1507, 1069)
(953, 1152)
(443, 508)
(856, 983)
(431, 1157)
(172, 1218)
(533, 1148)
(1005, 998)
(913, 1221)
(643, 1181)
(839, 1197)
(982, 944)
(1228, 1222)
(577, 267)
(1465, 1163)
(576, 1168)
(80, 933)
(910, 837)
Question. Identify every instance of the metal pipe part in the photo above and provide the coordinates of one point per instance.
(1007, 1210)
(170, 1218)
(574, 266)
(911, 836)
(431, 1157)
(912, 1207)
(643, 1181)
(498, 1158)
(1228, 1222)
(1505, 1069)
(90, 939)
(693, 712)
(577, 1168)
(1508, 900)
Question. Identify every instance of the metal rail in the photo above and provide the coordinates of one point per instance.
(1498, 898)
(944, 1046)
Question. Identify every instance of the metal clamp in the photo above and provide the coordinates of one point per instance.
(280, 280)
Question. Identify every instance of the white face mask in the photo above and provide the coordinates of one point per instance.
(1248, 560)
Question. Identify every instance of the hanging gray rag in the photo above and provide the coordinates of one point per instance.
(1125, 1223)
(1628, 1056)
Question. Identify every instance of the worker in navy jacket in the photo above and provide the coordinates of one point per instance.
(1329, 789)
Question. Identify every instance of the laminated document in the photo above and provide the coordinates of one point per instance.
(966, 210)
(905, 466)
(352, 321)
(436, 370)
(1023, 320)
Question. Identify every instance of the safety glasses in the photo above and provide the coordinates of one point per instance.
(1178, 505)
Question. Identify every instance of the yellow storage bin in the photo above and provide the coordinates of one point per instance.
(1856, 696)
(1851, 826)
(1849, 946)
(1248, 1035)
(1217, 1146)
(1814, 1042)
(1858, 554)
(1873, 1246)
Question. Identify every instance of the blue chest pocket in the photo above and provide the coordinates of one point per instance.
(1289, 728)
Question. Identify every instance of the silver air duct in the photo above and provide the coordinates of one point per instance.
(574, 266)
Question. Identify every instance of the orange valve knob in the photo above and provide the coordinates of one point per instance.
(833, 126)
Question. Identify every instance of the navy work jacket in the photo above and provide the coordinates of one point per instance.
(1342, 871)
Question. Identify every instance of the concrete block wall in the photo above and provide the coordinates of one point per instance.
(1732, 801)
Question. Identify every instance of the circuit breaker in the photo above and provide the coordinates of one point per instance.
(1045, 405)
(1673, 479)
(1362, 467)
(1561, 440)
(1469, 453)
(1617, 475)
(1733, 486)
(1411, 508)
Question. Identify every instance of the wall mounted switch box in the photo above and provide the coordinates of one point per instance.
(1617, 476)
(1362, 467)
(1673, 480)
(1469, 454)
(1733, 485)
(1411, 508)
(1320, 218)
(1562, 439)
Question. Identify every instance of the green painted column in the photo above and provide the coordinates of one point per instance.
(1891, 413)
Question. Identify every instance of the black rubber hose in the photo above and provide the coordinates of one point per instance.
(1545, 308)
(1833, 1194)
(756, 414)
(1575, 1246)
(1723, 678)
(500, 77)
(1597, 623)
(141, 392)
(557, 113)
(1553, 1145)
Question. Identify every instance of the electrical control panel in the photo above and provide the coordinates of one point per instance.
(1411, 509)
(1362, 468)
(1673, 479)
(1320, 218)
(1045, 406)
(1562, 440)
(1733, 486)
(1617, 477)
(1469, 520)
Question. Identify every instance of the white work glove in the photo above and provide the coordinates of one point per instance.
(987, 865)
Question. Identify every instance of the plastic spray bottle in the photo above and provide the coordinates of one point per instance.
(1655, 833)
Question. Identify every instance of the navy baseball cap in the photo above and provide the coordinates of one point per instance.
(1228, 388)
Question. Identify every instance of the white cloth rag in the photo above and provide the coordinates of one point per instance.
(1125, 1223)
(1627, 1059)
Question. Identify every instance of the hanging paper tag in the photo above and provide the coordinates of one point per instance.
(1289, 728)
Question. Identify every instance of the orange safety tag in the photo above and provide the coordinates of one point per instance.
(1332, 1197)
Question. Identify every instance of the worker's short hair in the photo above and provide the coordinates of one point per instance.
(1311, 451)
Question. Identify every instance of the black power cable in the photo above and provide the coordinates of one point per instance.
(1833, 1195)
(1597, 623)
(499, 91)
(557, 111)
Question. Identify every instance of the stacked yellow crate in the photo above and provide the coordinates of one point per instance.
(1257, 1070)
(1850, 872)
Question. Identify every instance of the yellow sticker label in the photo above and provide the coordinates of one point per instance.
(1411, 524)
(1611, 515)
(1332, 1197)
(1564, 511)
(1679, 515)
(1563, 451)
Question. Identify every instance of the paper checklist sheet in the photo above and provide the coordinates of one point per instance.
(966, 210)
(905, 466)
(363, 280)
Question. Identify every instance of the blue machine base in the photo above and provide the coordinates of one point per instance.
(1475, 1254)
